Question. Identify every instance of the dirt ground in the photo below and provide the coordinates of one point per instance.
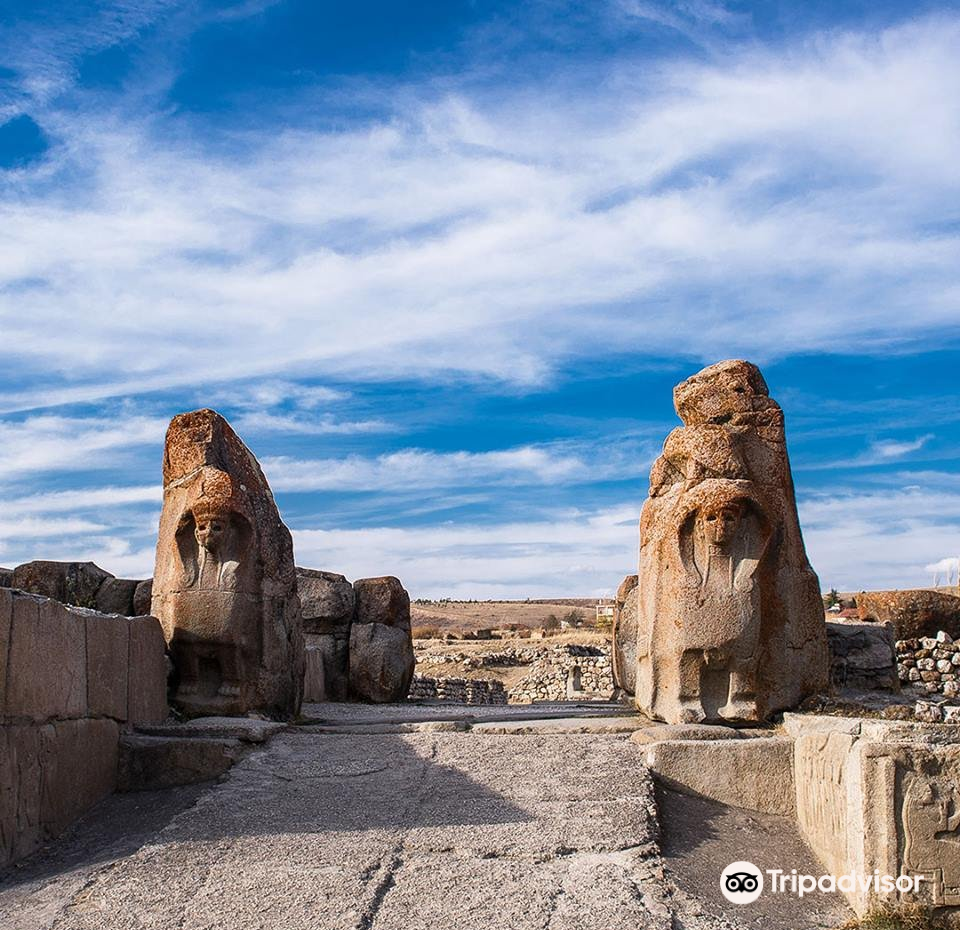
(459, 617)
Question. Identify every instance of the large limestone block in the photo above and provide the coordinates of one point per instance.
(47, 666)
(75, 583)
(21, 827)
(381, 662)
(78, 767)
(382, 600)
(863, 655)
(225, 586)
(148, 763)
(329, 603)
(882, 797)
(624, 635)
(730, 620)
(146, 672)
(6, 620)
(755, 774)
(108, 659)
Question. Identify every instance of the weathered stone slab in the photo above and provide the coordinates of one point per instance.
(151, 762)
(225, 588)
(245, 729)
(6, 577)
(888, 803)
(108, 658)
(730, 619)
(862, 655)
(78, 767)
(115, 596)
(683, 731)
(147, 673)
(73, 583)
(6, 619)
(21, 829)
(56, 686)
(381, 662)
(624, 635)
(755, 774)
(314, 688)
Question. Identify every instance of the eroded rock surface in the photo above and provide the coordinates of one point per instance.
(225, 588)
(382, 659)
(730, 620)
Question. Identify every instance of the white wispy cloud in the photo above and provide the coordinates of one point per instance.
(555, 463)
(579, 554)
(308, 425)
(761, 200)
(60, 443)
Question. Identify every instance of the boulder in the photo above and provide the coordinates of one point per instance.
(115, 596)
(912, 613)
(729, 615)
(75, 583)
(142, 597)
(382, 600)
(381, 662)
(6, 577)
(225, 586)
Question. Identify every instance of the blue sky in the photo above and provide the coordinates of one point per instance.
(441, 265)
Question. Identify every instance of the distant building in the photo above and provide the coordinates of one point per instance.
(605, 608)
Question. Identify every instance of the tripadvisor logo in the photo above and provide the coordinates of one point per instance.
(741, 882)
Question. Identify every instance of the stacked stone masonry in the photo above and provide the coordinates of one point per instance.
(569, 672)
(458, 690)
(71, 681)
(930, 664)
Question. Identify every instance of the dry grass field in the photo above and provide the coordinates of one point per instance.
(458, 617)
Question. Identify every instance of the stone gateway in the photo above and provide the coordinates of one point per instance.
(225, 587)
(730, 623)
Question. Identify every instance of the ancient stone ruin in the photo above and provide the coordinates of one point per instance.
(358, 640)
(225, 588)
(730, 623)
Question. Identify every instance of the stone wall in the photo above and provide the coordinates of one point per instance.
(930, 664)
(458, 690)
(565, 673)
(71, 680)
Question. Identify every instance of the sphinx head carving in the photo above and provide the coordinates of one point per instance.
(719, 522)
(212, 525)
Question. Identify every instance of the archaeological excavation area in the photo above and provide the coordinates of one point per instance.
(242, 742)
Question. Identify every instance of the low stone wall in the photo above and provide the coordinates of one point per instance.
(930, 665)
(565, 673)
(71, 680)
(458, 690)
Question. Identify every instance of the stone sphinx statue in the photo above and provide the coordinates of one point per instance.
(729, 621)
(224, 587)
